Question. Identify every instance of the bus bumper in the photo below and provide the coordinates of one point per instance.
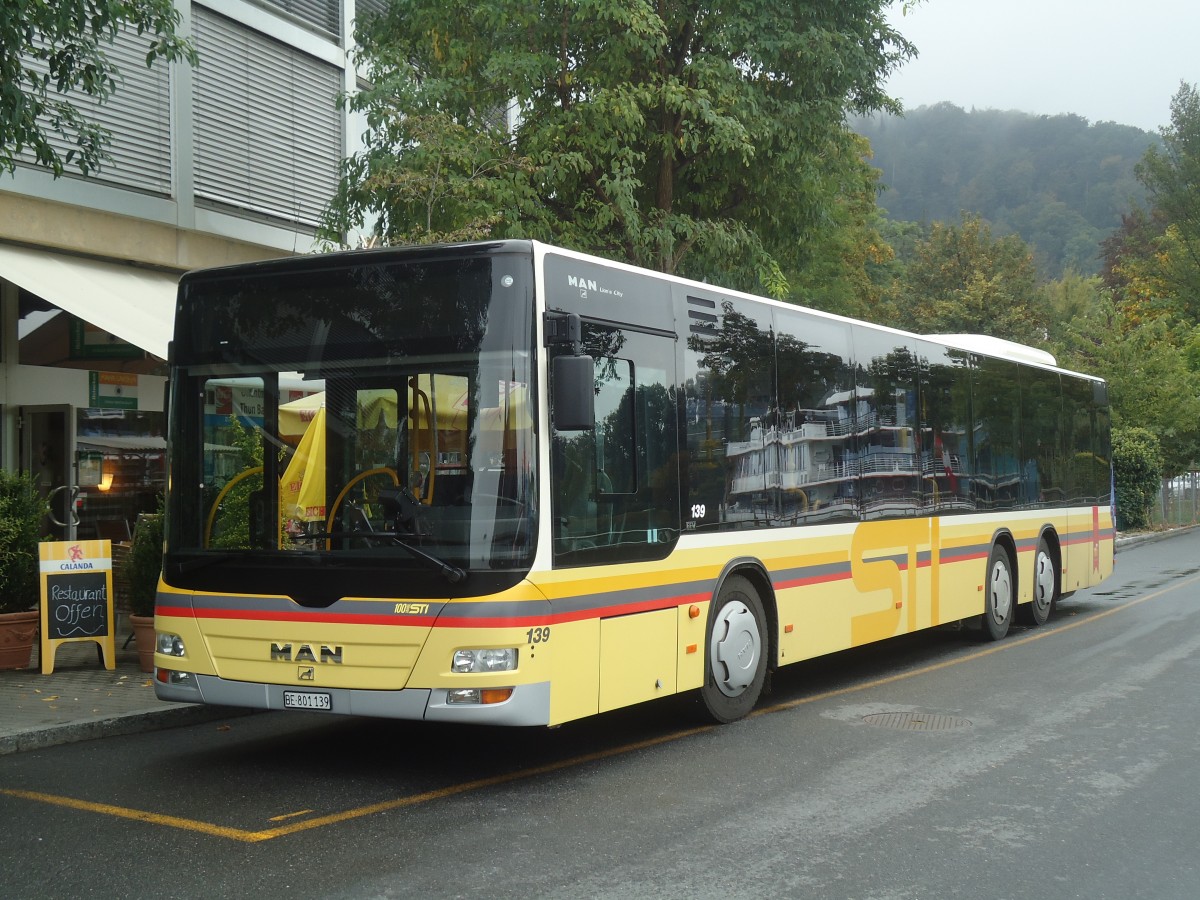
(528, 705)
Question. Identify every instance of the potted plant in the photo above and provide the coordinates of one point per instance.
(144, 567)
(22, 510)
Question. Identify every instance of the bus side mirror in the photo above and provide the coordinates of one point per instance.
(574, 397)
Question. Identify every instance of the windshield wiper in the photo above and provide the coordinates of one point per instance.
(452, 574)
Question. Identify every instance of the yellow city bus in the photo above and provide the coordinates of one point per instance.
(506, 483)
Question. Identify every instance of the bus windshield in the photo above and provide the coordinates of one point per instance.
(354, 413)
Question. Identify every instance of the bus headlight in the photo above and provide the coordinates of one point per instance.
(490, 660)
(170, 644)
(477, 696)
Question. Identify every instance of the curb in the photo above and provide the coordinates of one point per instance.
(1151, 537)
(115, 725)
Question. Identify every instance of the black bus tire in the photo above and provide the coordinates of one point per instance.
(735, 657)
(1045, 588)
(999, 595)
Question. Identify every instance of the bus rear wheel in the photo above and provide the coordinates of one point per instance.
(735, 664)
(998, 595)
(1045, 588)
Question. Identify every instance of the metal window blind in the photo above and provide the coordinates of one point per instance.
(325, 15)
(268, 133)
(370, 6)
(138, 115)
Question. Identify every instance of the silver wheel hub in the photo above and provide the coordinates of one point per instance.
(1043, 588)
(735, 649)
(999, 593)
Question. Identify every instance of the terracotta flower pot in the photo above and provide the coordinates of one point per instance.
(143, 639)
(17, 632)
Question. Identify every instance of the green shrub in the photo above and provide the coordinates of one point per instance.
(1137, 473)
(22, 509)
(145, 563)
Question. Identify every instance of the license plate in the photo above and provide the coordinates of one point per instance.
(306, 700)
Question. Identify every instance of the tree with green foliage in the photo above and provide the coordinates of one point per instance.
(961, 279)
(1172, 176)
(1151, 384)
(846, 267)
(1153, 262)
(1069, 299)
(704, 139)
(1137, 475)
(50, 51)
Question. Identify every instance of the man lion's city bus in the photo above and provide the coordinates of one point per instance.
(509, 484)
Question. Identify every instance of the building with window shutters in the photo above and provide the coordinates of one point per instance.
(228, 161)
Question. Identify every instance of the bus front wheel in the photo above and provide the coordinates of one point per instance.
(998, 595)
(735, 664)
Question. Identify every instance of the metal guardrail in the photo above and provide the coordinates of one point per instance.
(1178, 501)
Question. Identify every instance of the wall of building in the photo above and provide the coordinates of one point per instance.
(228, 162)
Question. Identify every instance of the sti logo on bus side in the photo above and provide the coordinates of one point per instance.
(304, 653)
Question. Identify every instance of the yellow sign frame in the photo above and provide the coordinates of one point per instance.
(59, 559)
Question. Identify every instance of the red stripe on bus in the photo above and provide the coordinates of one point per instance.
(444, 621)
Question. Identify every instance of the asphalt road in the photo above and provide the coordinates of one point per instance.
(1059, 763)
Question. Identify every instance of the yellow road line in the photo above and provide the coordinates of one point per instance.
(139, 815)
(239, 834)
(294, 815)
(252, 837)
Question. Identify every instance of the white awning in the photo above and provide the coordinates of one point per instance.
(136, 305)
(123, 442)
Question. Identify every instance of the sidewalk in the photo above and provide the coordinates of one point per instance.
(82, 700)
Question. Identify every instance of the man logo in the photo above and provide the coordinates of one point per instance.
(306, 673)
(305, 653)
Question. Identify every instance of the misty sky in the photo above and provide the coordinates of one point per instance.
(1106, 60)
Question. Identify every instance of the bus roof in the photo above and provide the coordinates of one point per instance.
(994, 346)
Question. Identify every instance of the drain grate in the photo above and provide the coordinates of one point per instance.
(915, 721)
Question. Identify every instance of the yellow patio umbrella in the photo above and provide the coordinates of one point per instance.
(302, 488)
(449, 404)
(296, 416)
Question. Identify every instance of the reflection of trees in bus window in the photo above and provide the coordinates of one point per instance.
(890, 478)
(944, 437)
(731, 414)
(997, 402)
(818, 475)
(1088, 481)
(1042, 459)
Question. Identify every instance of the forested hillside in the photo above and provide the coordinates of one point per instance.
(1057, 181)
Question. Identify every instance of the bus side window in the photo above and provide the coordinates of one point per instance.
(616, 485)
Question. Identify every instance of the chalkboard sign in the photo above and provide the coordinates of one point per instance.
(77, 601)
(77, 605)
